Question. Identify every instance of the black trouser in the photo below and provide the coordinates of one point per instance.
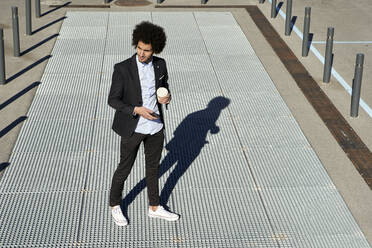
(128, 152)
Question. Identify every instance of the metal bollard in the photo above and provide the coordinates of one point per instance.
(16, 46)
(203, 1)
(106, 1)
(261, 1)
(159, 1)
(288, 17)
(2, 58)
(357, 83)
(328, 56)
(28, 18)
(37, 8)
(273, 9)
(305, 38)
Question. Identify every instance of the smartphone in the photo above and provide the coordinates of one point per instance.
(155, 115)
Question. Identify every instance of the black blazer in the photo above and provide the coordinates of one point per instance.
(125, 93)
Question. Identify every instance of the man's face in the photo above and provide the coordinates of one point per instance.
(144, 52)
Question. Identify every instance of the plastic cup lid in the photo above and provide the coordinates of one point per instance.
(162, 92)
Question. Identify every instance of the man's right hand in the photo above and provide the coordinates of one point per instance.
(144, 112)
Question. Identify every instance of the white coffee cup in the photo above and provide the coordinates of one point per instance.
(161, 92)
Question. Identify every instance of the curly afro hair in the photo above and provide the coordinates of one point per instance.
(149, 33)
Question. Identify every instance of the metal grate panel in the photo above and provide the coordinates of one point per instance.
(98, 227)
(39, 219)
(109, 62)
(79, 47)
(171, 19)
(230, 217)
(104, 139)
(255, 79)
(197, 62)
(82, 32)
(273, 132)
(183, 105)
(229, 46)
(234, 63)
(182, 47)
(182, 32)
(128, 18)
(231, 33)
(119, 46)
(72, 64)
(68, 84)
(196, 168)
(54, 135)
(85, 18)
(59, 171)
(63, 107)
(131, 244)
(322, 214)
(192, 82)
(122, 33)
(106, 81)
(215, 19)
(104, 111)
(277, 167)
(102, 166)
(257, 106)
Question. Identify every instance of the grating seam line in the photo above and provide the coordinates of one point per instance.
(91, 139)
(165, 133)
(241, 145)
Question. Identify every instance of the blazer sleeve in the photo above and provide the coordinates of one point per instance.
(165, 82)
(115, 99)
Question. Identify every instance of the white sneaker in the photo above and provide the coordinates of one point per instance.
(161, 213)
(118, 216)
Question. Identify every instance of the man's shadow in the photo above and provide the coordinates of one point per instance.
(187, 143)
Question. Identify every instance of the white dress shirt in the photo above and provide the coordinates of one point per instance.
(147, 79)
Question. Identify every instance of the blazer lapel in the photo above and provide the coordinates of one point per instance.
(134, 71)
(156, 72)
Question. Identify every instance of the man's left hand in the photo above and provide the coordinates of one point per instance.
(165, 100)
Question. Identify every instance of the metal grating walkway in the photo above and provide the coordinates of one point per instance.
(239, 171)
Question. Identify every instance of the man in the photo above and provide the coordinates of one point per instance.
(138, 117)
